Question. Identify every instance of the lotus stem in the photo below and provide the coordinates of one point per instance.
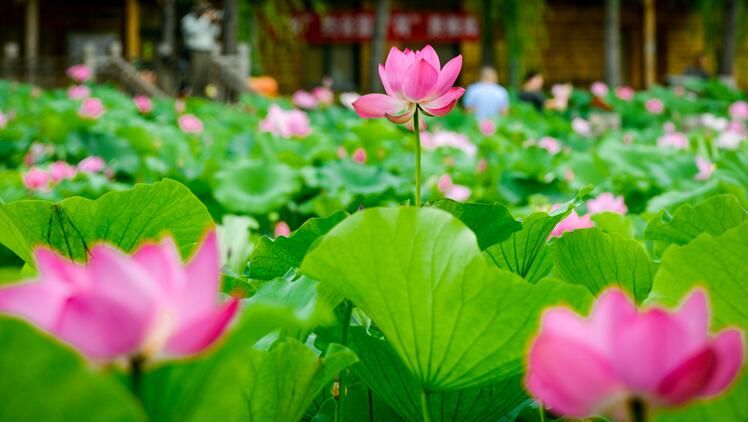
(341, 377)
(425, 405)
(136, 376)
(417, 131)
(638, 411)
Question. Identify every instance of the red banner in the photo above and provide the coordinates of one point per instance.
(358, 26)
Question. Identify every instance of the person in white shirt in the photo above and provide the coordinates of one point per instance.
(486, 98)
(200, 30)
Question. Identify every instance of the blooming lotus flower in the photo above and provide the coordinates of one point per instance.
(572, 222)
(149, 304)
(305, 100)
(552, 145)
(36, 179)
(189, 123)
(284, 123)
(359, 155)
(607, 202)
(92, 164)
(60, 170)
(581, 127)
(487, 127)
(348, 98)
(599, 89)
(654, 106)
(78, 92)
(739, 110)
(673, 140)
(452, 191)
(413, 79)
(581, 367)
(79, 73)
(91, 108)
(705, 168)
(281, 229)
(625, 93)
(143, 104)
(445, 138)
(323, 95)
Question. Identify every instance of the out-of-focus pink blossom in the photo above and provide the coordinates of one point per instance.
(36, 153)
(281, 229)
(552, 145)
(180, 106)
(413, 79)
(481, 166)
(78, 92)
(445, 138)
(739, 110)
(287, 124)
(673, 140)
(452, 191)
(3, 120)
(730, 139)
(91, 108)
(625, 93)
(143, 104)
(705, 168)
(36, 179)
(569, 175)
(561, 94)
(92, 164)
(189, 123)
(324, 95)
(572, 222)
(79, 73)
(60, 170)
(487, 127)
(581, 127)
(147, 305)
(359, 155)
(713, 122)
(607, 202)
(599, 89)
(654, 106)
(583, 367)
(348, 98)
(342, 153)
(304, 99)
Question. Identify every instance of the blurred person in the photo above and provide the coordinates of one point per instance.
(486, 98)
(697, 69)
(200, 29)
(532, 90)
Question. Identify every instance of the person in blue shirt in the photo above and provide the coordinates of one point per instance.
(486, 98)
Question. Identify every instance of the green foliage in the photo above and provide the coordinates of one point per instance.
(255, 187)
(491, 223)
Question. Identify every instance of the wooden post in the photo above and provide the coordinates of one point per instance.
(10, 60)
(613, 42)
(132, 29)
(229, 26)
(31, 41)
(650, 43)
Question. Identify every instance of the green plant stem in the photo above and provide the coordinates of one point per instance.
(341, 376)
(638, 410)
(542, 412)
(136, 376)
(425, 406)
(417, 131)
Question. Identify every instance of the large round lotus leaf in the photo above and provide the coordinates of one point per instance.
(255, 187)
(454, 319)
(357, 179)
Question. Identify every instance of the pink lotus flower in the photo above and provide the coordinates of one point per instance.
(673, 140)
(92, 164)
(705, 167)
(189, 123)
(572, 222)
(143, 104)
(599, 89)
(36, 179)
(625, 93)
(552, 145)
(487, 127)
(581, 367)
(281, 229)
(323, 95)
(654, 106)
(607, 202)
(445, 139)
(451, 190)
(739, 110)
(79, 73)
(149, 304)
(60, 170)
(359, 155)
(305, 100)
(78, 92)
(581, 127)
(413, 79)
(284, 123)
(91, 108)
